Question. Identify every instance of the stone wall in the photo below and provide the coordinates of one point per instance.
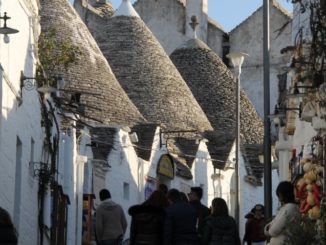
(168, 19)
(165, 19)
(248, 38)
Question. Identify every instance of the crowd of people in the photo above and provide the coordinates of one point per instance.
(171, 217)
(167, 217)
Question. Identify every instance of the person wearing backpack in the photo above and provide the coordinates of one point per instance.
(219, 228)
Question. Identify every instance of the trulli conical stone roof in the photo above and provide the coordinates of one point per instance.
(147, 74)
(214, 87)
(91, 73)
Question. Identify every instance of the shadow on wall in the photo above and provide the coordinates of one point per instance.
(118, 174)
(20, 145)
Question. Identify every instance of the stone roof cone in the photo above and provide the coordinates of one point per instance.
(147, 74)
(102, 95)
(214, 87)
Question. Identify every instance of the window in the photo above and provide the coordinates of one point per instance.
(126, 191)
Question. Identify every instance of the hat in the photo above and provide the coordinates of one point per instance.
(198, 190)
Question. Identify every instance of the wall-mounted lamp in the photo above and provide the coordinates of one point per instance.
(296, 93)
(29, 83)
(282, 110)
(279, 113)
(133, 137)
(277, 116)
(6, 30)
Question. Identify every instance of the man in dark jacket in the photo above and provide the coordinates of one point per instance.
(180, 221)
(202, 211)
(111, 222)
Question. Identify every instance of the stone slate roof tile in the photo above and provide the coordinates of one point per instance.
(148, 76)
(91, 73)
(103, 141)
(103, 8)
(187, 148)
(254, 168)
(181, 168)
(213, 85)
(145, 133)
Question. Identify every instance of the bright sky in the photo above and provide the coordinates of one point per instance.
(228, 13)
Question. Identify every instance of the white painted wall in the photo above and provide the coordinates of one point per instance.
(248, 38)
(202, 170)
(19, 121)
(126, 167)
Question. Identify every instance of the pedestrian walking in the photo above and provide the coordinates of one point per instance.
(219, 228)
(202, 211)
(111, 222)
(254, 229)
(8, 234)
(147, 222)
(180, 221)
(249, 216)
(285, 228)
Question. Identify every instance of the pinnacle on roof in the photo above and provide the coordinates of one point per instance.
(194, 23)
(126, 9)
(91, 75)
(214, 87)
(148, 75)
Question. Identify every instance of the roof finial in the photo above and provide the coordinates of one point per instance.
(126, 9)
(194, 23)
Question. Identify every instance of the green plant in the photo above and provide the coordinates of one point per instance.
(55, 53)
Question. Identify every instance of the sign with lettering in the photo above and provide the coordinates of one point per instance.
(165, 166)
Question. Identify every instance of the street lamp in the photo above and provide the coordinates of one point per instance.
(237, 60)
(5, 30)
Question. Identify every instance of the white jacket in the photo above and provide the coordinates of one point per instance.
(285, 228)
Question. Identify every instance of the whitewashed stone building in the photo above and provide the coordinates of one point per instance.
(21, 136)
(169, 22)
(131, 50)
(91, 94)
(213, 86)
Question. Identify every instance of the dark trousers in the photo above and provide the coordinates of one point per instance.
(111, 242)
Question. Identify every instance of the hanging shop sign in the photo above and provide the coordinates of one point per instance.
(165, 166)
